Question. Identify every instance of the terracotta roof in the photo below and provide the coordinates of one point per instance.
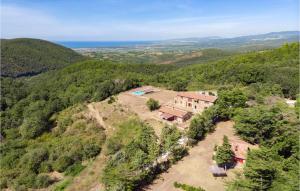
(173, 111)
(197, 95)
(167, 116)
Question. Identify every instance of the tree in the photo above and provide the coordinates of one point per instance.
(229, 100)
(180, 85)
(256, 124)
(152, 104)
(224, 153)
(201, 124)
(33, 127)
(169, 137)
(197, 128)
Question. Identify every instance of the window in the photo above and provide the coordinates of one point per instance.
(206, 102)
(190, 105)
(197, 101)
(195, 107)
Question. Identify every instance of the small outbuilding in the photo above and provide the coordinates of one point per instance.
(171, 113)
(240, 149)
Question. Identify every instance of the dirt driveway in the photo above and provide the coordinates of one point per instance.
(194, 168)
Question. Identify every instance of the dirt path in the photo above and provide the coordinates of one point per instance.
(96, 115)
(89, 178)
(194, 168)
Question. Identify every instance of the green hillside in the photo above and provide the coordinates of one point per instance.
(31, 107)
(26, 57)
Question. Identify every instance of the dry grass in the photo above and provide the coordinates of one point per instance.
(108, 116)
(194, 168)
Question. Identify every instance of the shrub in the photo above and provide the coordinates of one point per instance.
(25, 180)
(42, 181)
(152, 104)
(186, 187)
(62, 163)
(91, 150)
(33, 159)
(62, 185)
(3, 183)
(111, 100)
(178, 153)
(74, 169)
(45, 167)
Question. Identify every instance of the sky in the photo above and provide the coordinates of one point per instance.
(126, 20)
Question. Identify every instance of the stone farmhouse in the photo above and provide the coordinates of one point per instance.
(195, 102)
(185, 104)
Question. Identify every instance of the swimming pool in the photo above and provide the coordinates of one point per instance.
(138, 93)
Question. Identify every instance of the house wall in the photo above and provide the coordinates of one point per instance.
(193, 105)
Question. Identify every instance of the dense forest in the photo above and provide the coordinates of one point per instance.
(26, 57)
(40, 118)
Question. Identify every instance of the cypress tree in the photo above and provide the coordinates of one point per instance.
(224, 153)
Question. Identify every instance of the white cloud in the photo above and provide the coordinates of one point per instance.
(24, 22)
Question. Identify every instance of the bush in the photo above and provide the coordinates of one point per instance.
(33, 159)
(3, 183)
(62, 163)
(25, 180)
(74, 170)
(186, 187)
(178, 153)
(42, 181)
(152, 104)
(62, 185)
(45, 167)
(91, 150)
(111, 100)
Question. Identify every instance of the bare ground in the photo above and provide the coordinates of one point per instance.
(194, 168)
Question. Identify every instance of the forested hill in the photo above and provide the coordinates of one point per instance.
(26, 57)
(29, 107)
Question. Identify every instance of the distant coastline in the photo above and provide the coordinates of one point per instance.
(103, 44)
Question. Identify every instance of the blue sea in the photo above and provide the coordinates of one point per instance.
(103, 44)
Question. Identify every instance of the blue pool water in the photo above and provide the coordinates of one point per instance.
(138, 93)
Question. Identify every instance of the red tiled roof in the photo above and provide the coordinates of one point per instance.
(167, 116)
(173, 111)
(197, 95)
